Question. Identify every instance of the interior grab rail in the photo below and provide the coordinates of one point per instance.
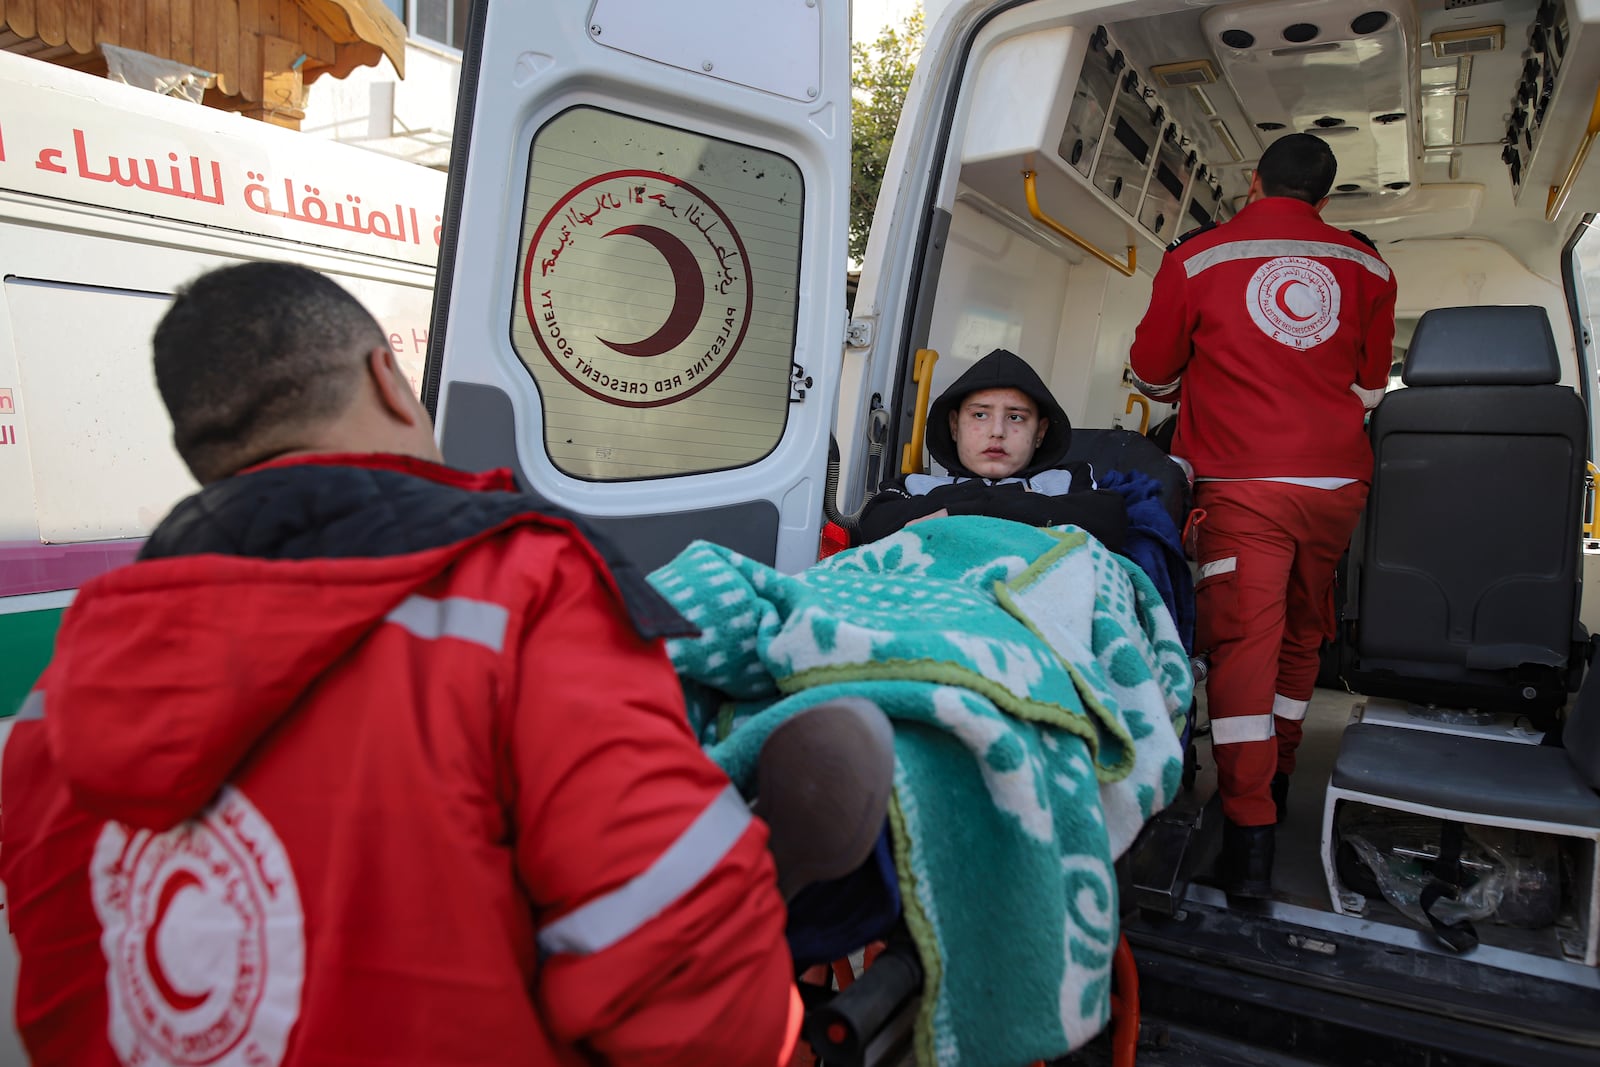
(922, 374)
(1559, 193)
(1591, 521)
(1031, 191)
(1144, 411)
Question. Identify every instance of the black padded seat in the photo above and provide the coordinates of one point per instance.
(1125, 450)
(1492, 344)
(1467, 572)
(1465, 775)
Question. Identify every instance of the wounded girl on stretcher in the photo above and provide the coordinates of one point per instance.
(1036, 685)
(1003, 440)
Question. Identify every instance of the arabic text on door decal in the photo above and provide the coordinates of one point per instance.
(637, 288)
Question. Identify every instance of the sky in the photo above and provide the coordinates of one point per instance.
(868, 17)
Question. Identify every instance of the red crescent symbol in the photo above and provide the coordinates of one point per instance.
(170, 993)
(689, 294)
(1284, 307)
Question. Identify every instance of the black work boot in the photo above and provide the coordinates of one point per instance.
(1245, 869)
(1280, 795)
(823, 781)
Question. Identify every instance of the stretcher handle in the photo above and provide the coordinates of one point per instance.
(922, 374)
(842, 1029)
(1031, 192)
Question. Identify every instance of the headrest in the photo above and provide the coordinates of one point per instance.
(1499, 345)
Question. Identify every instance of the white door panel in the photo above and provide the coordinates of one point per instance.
(645, 267)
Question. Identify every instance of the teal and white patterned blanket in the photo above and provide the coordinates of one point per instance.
(1037, 687)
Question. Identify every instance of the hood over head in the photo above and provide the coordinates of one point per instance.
(1000, 369)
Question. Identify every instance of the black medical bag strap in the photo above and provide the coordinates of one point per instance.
(1449, 880)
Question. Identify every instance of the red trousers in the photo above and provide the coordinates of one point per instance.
(1267, 553)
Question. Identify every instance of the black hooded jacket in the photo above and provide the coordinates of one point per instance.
(1100, 512)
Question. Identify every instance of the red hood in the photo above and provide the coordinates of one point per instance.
(168, 671)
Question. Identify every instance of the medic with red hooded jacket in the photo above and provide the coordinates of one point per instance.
(368, 761)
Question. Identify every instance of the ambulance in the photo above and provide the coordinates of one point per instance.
(110, 198)
(641, 310)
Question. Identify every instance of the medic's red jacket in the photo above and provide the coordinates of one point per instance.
(1267, 322)
(368, 762)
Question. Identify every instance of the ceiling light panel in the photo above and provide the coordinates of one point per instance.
(1341, 69)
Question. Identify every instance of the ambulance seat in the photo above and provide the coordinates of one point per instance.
(1465, 573)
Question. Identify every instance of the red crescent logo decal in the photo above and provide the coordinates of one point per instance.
(1280, 296)
(689, 293)
(585, 297)
(152, 959)
(1294, 300)
(216, 899)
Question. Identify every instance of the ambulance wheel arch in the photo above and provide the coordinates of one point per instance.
(640, 307)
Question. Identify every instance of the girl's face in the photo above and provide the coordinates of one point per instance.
(997, 431)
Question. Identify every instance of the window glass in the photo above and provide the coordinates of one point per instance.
(656, 296)
(432, 20)
(1586, 264)
(1404, 328)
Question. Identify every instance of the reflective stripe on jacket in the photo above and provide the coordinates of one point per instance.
(1266, 326)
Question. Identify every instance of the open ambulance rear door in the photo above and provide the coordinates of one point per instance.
(640, 305)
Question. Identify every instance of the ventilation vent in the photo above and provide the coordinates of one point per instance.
(1180, 75)
(1468, 42)
(1306, 49)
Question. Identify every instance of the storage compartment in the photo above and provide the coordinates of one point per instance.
(1091, 103)
(1129, 148)
(1168, 185)
(1110, 160)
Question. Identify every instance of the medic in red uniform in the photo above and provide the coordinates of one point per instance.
(1277, 328)
(369, 761)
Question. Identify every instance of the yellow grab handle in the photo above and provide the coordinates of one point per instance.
(1031, 191)
(1559, 193)
(922, 374)
(1144, 410)
(1590, 519)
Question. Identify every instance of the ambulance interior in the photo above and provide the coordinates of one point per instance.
(1051, 153)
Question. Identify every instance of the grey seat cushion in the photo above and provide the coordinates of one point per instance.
(1465, 774)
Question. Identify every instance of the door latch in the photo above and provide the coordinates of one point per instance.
(858, 334)
(798, 384)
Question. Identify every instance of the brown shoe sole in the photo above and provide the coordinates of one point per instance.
(823, 783)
